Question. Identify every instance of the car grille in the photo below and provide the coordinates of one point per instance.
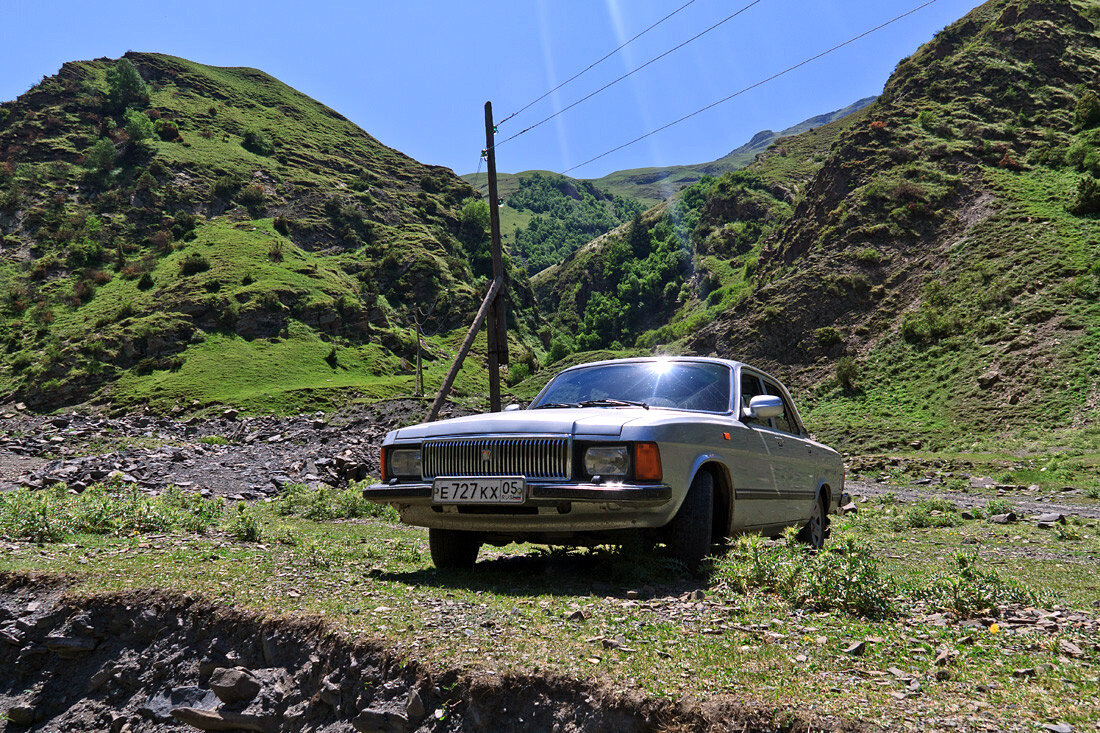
(541, 458)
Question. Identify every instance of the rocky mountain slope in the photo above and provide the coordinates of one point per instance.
(171, 231)
(656, 184)
(922, 269)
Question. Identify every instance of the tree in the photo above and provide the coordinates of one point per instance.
(125, 87)
(637, 236)
(101, 156)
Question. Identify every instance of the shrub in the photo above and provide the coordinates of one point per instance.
(325, 503)
(245, 524)
(926, 514)
(251, 196)
(224, 187)
(167, 131)
(275, 251)
(256, 142)
(1087, 113)
(928, 119)
(970, 590)
(559, 349)
(213, 440)
(1088, 196)
(145, 282)
(146, 182)
(847, 372)
(844, 576)
(193, 263)
(828, 336)
(138, 126)
(282, 225)
(517, 373)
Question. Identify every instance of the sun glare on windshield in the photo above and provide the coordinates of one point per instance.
(661, 366)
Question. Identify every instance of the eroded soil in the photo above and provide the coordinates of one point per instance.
(155, 662)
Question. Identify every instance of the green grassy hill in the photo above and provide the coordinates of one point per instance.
(922, 270)
(192, 232)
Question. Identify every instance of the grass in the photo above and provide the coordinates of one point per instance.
(773, 622)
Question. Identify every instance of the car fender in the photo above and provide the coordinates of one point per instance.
(723, 483)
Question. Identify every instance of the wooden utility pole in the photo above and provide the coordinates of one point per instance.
(494, 309)
(419, 373)
(497, 324)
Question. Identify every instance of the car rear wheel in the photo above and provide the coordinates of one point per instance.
(453, 549)
(689, 532)
(813, 533)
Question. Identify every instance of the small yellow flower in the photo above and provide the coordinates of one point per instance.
(994, 628)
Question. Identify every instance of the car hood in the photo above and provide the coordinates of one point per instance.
(600, 421)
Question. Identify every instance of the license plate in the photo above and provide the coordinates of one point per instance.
(496, 490)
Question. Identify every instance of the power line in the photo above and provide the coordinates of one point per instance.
(627, 74)
(596, 63)
(750, 87)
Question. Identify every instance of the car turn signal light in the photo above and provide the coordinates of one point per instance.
(647, 462)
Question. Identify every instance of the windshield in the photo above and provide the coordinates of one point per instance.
(678, 384)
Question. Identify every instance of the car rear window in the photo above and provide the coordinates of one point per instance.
(681, 385)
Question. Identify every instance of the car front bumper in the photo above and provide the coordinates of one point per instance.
(549, 508)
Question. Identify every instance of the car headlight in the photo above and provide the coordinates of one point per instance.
(404, 463)
(611, 460)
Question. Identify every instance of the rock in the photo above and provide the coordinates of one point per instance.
(988, 379)
(1009, 518)
(414, 706)
(849, 508)
(230, 414)
(981, 482)
(380, 721)
(69, 646)
(1050, 519)
(223, 720)
(234, 685)
(1025, 673)
(943, 658)
(943, 675)
(1070, 649)
(857, 649)
(966, 514)
(1058, 727)
(21, 715)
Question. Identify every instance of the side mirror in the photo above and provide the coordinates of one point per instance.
(513, 407)
(762, 407)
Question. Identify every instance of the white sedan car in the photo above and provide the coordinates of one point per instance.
(681, 450)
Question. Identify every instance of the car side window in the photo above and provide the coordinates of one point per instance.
(751, 387)
(786, 421)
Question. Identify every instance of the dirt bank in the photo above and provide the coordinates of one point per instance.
(155, 662)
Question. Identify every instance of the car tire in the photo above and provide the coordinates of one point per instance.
(689, 532)
(813, 533)
(453, 549)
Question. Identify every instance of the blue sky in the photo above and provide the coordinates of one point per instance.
(416, 74)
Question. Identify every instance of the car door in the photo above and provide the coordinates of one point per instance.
(796, 479)
(755, 495)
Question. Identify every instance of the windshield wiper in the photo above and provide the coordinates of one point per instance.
(611, 402)
(556, 404)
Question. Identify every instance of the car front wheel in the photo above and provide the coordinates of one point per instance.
(814, 531)
(453, 549)
(689, 532)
